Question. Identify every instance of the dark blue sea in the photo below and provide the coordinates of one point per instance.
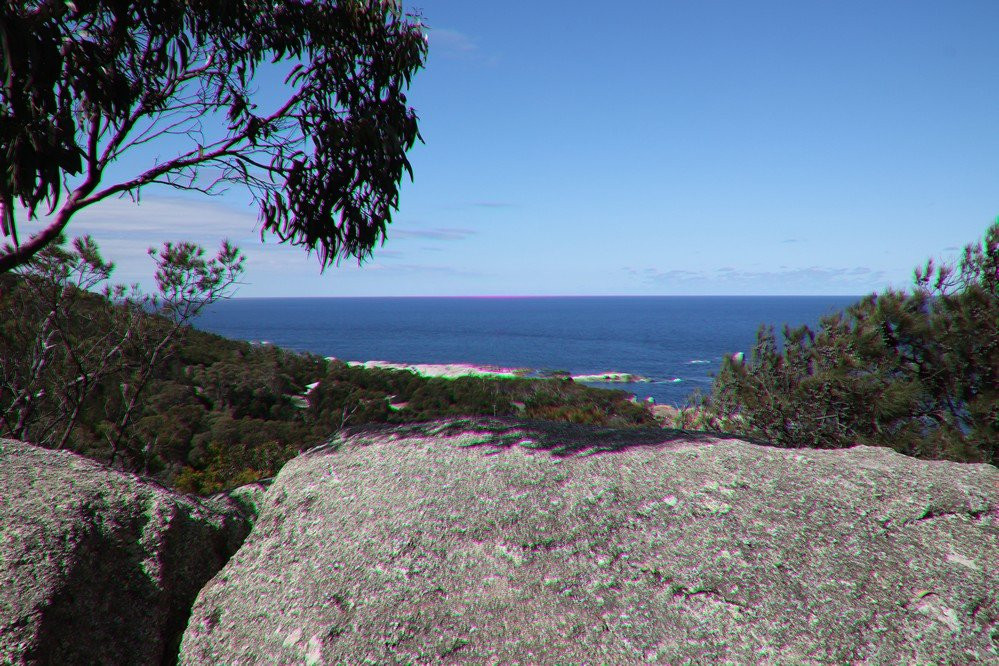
(676, 341)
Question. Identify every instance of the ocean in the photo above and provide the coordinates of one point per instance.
(677, 342)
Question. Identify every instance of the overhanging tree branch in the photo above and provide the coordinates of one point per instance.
(83, 83)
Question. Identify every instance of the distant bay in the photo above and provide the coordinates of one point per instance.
(677, 342)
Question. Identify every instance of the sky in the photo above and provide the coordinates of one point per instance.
(666, 147)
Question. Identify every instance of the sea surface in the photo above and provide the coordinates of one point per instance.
(677, 342)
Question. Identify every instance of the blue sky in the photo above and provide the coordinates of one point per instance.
(666, 147)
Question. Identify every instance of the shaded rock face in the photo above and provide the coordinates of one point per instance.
(491, 541)
(96, 566)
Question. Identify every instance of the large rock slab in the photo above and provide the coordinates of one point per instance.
(492, 541)
(96, 566)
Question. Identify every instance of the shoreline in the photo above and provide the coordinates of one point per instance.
(445, 370)
(455, 370)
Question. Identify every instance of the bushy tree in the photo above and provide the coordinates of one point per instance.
(84, 83)
(914, 370)
(56, 341)
(75, 349)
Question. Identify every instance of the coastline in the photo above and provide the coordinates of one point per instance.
(445, 370)
(454, 370)
(596, 340)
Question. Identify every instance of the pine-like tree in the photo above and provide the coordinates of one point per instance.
(914, 370)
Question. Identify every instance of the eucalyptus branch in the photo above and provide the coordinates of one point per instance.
(334, 149)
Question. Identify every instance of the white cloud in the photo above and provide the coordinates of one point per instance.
(810, 280)
(124, 230)
(493, 204)
(456, 45)
(173, 216)
(451, 42)
(439, 233)
(427, 269)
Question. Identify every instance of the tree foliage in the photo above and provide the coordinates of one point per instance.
(83, 83)
(917, 371)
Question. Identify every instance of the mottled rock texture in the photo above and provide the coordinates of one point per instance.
(492, 541)
(96, 566)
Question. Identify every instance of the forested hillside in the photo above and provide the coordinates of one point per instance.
(122, 378)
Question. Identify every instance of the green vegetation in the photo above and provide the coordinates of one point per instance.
(75, 365)
(257, 412)
(917, 371)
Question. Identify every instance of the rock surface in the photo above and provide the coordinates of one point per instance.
(96, 566)
(242, 502)
(492, 541)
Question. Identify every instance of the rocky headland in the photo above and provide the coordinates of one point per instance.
(505, 541)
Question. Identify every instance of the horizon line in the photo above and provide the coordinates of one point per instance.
(523, 296)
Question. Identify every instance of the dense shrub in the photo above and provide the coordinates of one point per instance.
(917, 371)
(237, 451)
